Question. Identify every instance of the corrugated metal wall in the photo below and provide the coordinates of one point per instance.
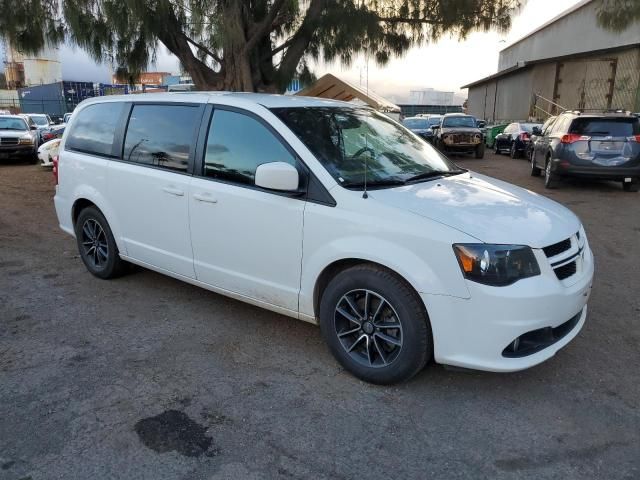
(597, 81)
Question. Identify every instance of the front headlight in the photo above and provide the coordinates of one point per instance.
(26, 140)
(496, 265)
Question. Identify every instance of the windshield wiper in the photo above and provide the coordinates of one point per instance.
(389, 182)
(433, 174)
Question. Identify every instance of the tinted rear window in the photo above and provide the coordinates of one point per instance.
(416, 123)
(607, 127)
(528, 127)
(94, 129)
(161, 135)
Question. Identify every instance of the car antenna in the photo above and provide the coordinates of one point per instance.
(365, 195)
(366, 159)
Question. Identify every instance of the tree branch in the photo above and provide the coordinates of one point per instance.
(298, 44)
(410, 21)
(264, 27)
(201, 47)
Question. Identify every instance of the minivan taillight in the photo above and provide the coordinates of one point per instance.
(635, 138)
(573, 137)
(55, 169)
(524, 136)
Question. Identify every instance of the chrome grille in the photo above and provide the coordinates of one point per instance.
(8, 141)
(461, 138)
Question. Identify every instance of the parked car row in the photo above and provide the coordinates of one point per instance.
(30, 135)
(589, 145)
(586, 144)
(450, 133)
(19, 138)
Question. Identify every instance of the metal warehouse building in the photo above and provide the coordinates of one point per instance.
(570, 61)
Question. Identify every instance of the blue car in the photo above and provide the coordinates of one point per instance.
(421, 126)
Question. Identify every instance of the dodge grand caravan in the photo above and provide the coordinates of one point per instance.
(330, 213)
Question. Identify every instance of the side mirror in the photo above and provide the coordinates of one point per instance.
(435, 127)
(536, 131)
(34, 127)
(277, 176)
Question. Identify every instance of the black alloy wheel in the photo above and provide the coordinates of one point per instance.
(375, 324)
(97, 247)
(368, 327)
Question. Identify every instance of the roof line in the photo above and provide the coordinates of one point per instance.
(548, 23)
(523, 65)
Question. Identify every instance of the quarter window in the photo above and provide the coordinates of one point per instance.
(161, 135)
(94, 128)
(237, 144)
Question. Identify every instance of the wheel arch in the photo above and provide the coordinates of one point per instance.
(337, 266)
(84, 199)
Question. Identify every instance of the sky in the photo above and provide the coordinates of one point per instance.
(445, 65)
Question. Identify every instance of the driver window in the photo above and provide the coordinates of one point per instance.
(237, 144)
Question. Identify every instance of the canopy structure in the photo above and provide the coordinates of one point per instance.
(330, 86)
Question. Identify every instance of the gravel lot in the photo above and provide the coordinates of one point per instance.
(147, 377)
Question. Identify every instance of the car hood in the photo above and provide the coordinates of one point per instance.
(14, 133)
(421, 131)
(488, 209)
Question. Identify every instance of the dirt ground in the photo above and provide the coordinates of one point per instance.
(146, 377)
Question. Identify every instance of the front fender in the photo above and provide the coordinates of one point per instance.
(418, 250)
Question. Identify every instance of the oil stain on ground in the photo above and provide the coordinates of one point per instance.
(173, 430)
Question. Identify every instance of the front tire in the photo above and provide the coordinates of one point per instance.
(97, 247)
(479, 152)
(375, 325)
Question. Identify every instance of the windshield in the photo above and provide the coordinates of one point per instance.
(449, 122)
(40, 120)
(416, 123)
(12, 124)
(348, 140)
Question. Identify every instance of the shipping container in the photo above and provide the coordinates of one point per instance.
(55, 99)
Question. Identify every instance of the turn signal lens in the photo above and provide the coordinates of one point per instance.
(55, 169)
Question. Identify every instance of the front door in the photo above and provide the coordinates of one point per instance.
(246, 240)
(150, 185)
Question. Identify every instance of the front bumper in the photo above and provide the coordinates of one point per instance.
(9, 151)
(474, 332)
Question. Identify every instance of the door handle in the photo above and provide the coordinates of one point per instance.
(204, 198)
(173, 191)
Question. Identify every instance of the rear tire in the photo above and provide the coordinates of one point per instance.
(550, 180)
(535, 170)
(479, 153)
(375, 325)
(513, 151)
(97, 247)
(632, 186)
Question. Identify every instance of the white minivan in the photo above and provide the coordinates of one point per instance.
(331, 213)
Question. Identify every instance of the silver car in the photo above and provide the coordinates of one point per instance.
(17, 138)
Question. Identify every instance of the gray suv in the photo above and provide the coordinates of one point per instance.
(603, 145)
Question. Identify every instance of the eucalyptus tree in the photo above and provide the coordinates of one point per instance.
(246, 45)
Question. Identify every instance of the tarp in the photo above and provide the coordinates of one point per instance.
(330, 86)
